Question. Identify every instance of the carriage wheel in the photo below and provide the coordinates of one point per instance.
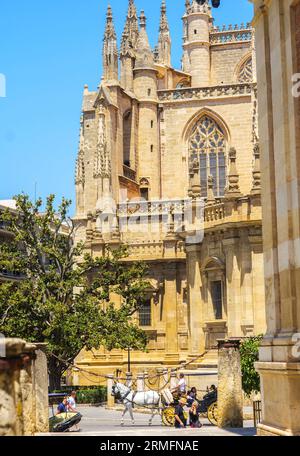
(168, 416)
(212, 413)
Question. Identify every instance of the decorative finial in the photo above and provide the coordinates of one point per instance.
(233, 189)
(164, 26)
(210, 195)
(143, 19)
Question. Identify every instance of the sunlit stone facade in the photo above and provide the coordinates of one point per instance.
(176, 139)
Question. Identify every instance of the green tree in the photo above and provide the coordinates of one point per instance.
(64, 296)
(249, 356)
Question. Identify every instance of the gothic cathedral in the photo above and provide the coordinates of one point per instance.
(155, 140)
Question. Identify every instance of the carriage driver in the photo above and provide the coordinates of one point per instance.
(181, 387)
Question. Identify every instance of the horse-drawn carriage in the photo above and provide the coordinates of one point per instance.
(207, 406)
(163, 403)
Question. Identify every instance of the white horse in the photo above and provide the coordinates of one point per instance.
(148, 399)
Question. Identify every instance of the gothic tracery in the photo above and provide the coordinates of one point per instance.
(246, 71)
(208, 145)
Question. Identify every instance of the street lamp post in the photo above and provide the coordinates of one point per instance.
(129, 360)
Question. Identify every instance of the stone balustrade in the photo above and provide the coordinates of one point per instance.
(231, 34)
(214, 213)
(203, 93)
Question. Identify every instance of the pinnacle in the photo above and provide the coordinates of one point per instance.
(164, 26)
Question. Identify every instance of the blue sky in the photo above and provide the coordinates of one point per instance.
(48, 51)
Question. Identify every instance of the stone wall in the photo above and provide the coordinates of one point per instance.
(23, 389)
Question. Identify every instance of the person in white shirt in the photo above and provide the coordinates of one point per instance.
(72, 402)
(181, 387)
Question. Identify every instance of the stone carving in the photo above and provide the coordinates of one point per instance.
(80, 167)
(201, 93)
(256, 187)
(210, 195)
(246, 72)
(102, 164)
(233, 188)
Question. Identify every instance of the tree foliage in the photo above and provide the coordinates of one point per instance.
(249, 356)
(65, 295)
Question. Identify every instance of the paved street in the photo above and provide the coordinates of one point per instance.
(97, 421)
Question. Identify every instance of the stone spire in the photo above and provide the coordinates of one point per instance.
(164, 40)
(144, 54)
(110, 49)
(131, 31)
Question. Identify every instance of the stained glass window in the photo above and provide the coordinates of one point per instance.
(208, 146)
(246, 72)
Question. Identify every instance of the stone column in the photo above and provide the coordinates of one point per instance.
(40, 371)
(277, 25)
(230, 393)
(259, 314)
(247, 316)
(129, 379)
(195, 304)
(11, 410)
(110, 398)
(170, 311)
(140, 382)
(27, 385)
(233, 282)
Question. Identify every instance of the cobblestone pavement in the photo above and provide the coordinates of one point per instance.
(97, 421)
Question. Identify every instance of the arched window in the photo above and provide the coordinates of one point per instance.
(127, 121)
(246, 71)
(208, 146)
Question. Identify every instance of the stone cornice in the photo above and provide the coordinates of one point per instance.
(204, 93)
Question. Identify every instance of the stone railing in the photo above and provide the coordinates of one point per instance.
(232, 34)
(202, 93)
(129, 173)
(214, 213)
(160, 207)
(146, 249)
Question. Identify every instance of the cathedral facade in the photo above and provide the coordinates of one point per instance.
(156, 144)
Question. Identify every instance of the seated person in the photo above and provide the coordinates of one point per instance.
(63, 406)
(72, 402)
(181, 387)
(192, 396)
